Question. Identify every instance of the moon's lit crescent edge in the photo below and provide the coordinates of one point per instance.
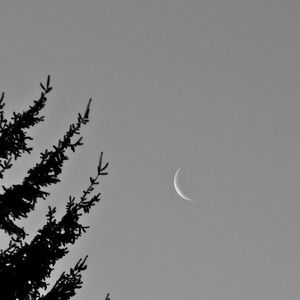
(177, 188)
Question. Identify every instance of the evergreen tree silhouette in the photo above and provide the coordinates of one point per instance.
(25, 266)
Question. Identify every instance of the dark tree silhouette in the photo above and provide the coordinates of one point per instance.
(26, 265)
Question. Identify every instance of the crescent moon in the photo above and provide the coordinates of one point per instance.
(178, 189)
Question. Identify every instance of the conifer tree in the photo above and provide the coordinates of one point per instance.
(26, 265)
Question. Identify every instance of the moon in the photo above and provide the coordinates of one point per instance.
(178, 189)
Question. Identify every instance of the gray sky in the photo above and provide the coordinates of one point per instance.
(209, 86)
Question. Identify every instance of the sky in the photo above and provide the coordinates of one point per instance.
(208, 86)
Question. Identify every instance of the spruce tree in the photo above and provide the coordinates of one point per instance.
(26, 265)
